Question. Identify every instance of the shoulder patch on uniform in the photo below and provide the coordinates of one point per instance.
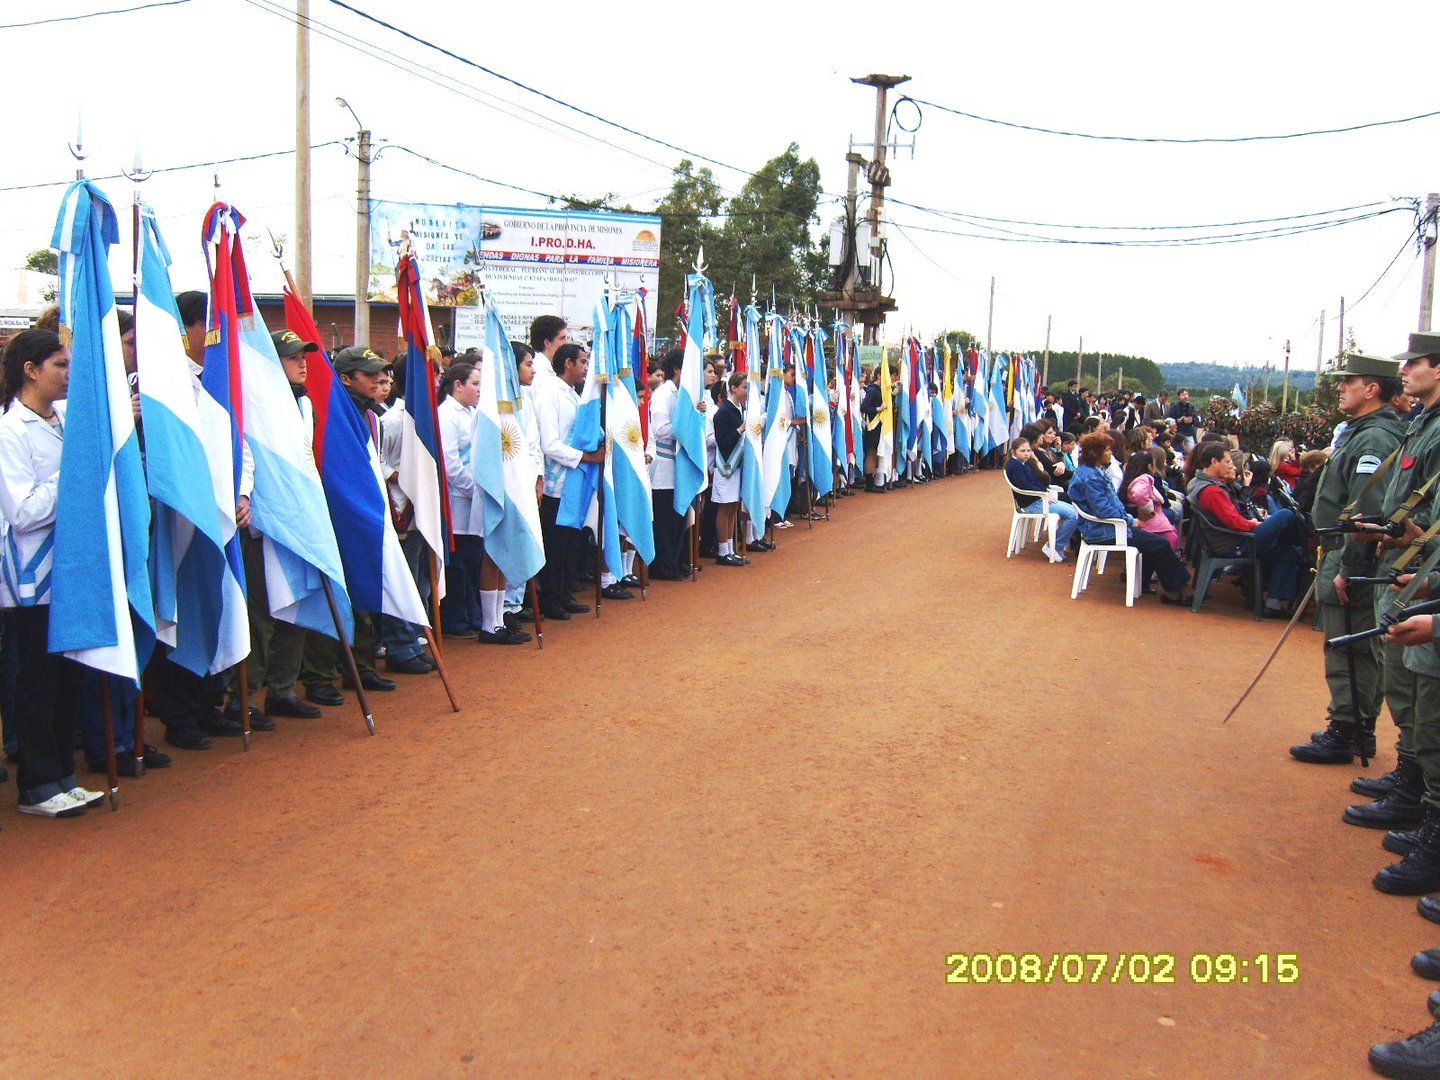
(1367, 464)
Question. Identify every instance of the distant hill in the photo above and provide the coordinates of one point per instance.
(1216, 376)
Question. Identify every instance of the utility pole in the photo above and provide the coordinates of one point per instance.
(990, 320)
(1320, 349)
(860, 294)
(1099, 374)
(362, 230)
(1079, 358)
(1427, 266)
(1340, 353)
(1120, 379)
(1045, 371)
(300, 249)
(1285, 382)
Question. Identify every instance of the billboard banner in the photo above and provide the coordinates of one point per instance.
(536, 262)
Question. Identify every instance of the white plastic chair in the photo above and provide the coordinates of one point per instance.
(1021, 522)
(1094, 556)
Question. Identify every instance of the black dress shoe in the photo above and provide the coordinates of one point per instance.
(370, 681)
(289, 705)
(523, 615)
(187, 738)
(124, 765)
(617, 592)
(258, 720)
(222, 725)
(630, 581)
(558, 614)
(324, 694)
(760, 545)
(574, 606)
(417, 665)
(503, 636)
(154, 759)
(729, 560)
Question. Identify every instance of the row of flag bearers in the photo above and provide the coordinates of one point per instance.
(226, 501)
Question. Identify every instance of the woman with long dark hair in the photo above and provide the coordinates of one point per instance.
(36, 378)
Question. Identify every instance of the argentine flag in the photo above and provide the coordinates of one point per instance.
(1239, 396)
(777, 423)
(752, 456)
(196, 566)
(101, 608)
(821, 445)
(505, 474)
(626, 473)
(691, 462)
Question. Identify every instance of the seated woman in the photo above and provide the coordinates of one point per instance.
(1285, 462)
(1142, 492)
(1092, 492)
(1024, 473)
(1278, 538)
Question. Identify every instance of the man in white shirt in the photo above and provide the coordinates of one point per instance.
(556, 401)
(669, 526)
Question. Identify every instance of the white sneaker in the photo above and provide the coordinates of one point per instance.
(61, 805)
(1053, 555)
(83, 795)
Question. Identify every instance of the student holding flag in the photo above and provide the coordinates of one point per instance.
(36, 380)
(729, 448)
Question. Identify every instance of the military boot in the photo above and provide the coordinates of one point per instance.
(1429, 907)
(1400, 841)
(1433, 1001)
(1377, 787)
(1336, 745)
(1419, 871)
(1398, 810)
(1426, 964)
(1415, 1058)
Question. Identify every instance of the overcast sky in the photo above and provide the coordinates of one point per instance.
(210, 79)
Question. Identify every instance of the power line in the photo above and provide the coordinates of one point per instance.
(172, 168)
(1390, 266)
(538, 93)
(1163, 139)
(959, 215)
(93, 14)
(1013, 237)
(454, 86)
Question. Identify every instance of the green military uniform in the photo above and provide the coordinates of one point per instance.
(1346, 483)
(1418, 720)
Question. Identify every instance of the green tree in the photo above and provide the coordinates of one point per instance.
(43, 261)
(767, 233)
(687, 223)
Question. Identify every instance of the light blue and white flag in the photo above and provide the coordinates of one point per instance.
(102, 612)
(752, 456)
(1239, 396)
(200, 607)
(626, 473)
(287, 505)
(500, 460)
(777, 421)
(998, 415)
(820, 447)
(691, 460)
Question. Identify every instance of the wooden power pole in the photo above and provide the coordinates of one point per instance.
(1045, 371)
(300, 249)
(1427, 266)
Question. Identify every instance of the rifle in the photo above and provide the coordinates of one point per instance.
(1396, 614)
(1372, 523)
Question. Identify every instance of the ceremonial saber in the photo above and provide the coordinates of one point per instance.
(1299, 610)
(349, 655)
(112, 772)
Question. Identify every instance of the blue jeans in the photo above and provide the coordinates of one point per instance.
(92, 715)
(1069, 520)
(1277, 542)
(400, 638)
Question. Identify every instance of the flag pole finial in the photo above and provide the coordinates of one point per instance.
(700, 266)
(752, 289)
(77, 148)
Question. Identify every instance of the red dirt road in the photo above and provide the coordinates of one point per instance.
(735, 831)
